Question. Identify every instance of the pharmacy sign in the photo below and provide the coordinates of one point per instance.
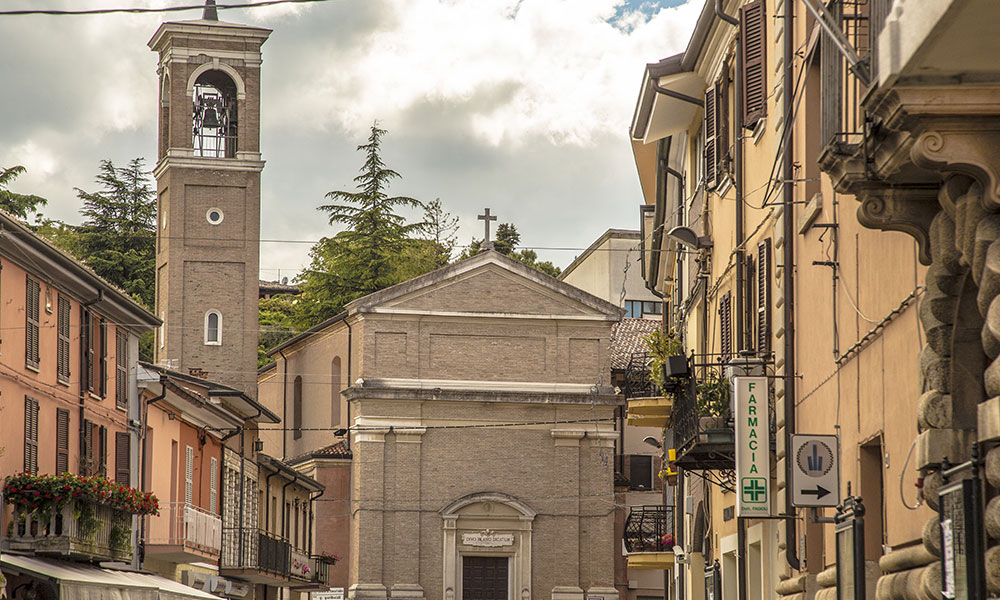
(753, 446)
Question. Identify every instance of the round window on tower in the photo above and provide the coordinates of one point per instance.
(215, 216)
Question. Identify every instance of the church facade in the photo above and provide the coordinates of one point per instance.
(480, 435)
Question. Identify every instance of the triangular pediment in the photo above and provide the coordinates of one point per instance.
(488, 283)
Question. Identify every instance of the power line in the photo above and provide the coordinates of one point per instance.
(139, 10)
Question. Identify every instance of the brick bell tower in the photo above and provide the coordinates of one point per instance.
(208, 188)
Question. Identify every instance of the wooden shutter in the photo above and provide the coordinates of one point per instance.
(213, 486)
(711, 147)
(297, 408)
(749, 303)
(89, 341)
(102, 374)
(764, 297)
(102, 460)
(87, 448)
(62, 330)
(726, 325)
(31, 310)
(722, 124)
(30, 435)
(753, 45)
(62, 441)
(123, 454)
(121, 368)
(188, 474)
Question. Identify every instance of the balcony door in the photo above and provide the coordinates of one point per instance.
(484, 577)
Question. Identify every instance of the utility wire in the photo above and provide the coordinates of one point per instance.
(140, 10)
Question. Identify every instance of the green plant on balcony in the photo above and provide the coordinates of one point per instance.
(713, 396)
(119, 536)
(667, 357)
(329, 557)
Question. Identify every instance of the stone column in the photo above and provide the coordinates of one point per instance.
(405, 507)
(567, 454)
(368, 502)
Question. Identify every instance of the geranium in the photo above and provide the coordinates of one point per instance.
(52, 492)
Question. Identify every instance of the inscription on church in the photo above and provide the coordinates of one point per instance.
(488, 538)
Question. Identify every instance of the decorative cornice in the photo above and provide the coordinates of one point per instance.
(906, 209)
(970, 148)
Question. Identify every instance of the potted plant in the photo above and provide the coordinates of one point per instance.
(714, 400)
(329, 557)
(668, 360)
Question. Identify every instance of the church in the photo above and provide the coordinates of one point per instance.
(477, 424)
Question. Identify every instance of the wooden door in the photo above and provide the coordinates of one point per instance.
(484, 577)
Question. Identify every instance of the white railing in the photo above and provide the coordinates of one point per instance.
(89, 531)
(180, 523)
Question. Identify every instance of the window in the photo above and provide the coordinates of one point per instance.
(726, 325)
(123, 454)
(213, 328)
(30, 435)
(297, 408)
(213, 485)
(121, 368)
(188, 474)
(753, 45)
(62, 441)
(62, 349)
(640, 475)
(764, 297)
(31, 309)
(214, 216)
(102, 373)
(95, 334)
(637, 309)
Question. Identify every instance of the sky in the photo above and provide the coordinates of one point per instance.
(522, 106)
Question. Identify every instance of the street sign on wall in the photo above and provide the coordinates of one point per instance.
(753, 446)
(815, 470)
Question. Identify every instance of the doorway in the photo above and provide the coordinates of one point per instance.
(484, 577)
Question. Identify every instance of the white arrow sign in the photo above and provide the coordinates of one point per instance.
(815, 470)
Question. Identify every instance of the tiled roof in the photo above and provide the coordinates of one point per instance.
(628, 337)
(337, 450)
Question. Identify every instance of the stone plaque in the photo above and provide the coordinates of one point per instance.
(488, 538)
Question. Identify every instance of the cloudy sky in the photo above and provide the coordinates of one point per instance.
(519, 105)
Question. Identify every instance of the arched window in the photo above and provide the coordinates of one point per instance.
(215, 118)
(213, 328)
(335, 392)
(297, 408)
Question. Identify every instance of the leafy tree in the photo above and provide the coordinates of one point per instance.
(276, 319)
(367, 255)
(19, 205)
(118, 237)
(441, 228)
(507, 240)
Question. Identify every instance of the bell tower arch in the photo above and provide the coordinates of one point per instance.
(208, 197)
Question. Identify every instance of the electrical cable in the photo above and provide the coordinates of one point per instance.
(138, 10)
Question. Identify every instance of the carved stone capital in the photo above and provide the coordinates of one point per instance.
(909, 209)
(965, 149)
(845, 166)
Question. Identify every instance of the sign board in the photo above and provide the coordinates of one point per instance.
(962, 568)
(332, 594)
(488, 538)
(753, 446)
(815, 470)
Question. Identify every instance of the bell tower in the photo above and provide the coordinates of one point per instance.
(208, 197)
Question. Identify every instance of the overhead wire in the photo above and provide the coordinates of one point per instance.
(145, 10)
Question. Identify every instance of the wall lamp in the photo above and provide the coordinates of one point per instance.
(687, 237)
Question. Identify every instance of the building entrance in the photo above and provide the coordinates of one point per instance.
(484, 577)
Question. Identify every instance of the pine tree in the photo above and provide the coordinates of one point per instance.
(19, 205)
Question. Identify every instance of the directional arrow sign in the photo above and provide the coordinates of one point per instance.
(815, 470)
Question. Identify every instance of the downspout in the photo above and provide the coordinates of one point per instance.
(142, 461)
(722, 14)
(788, 282)
(284, 515)
(311, 520)
(267, 500)
(350, 337)
(741, 338)
(284, 402)
(85, 323)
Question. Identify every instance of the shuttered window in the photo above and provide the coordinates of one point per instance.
(102, 374)
(30, 435)
(123, 453)
(711, 147)
(62, 441)
(188, 474)
(297, 408)
(213, 486)
(753, 45)
(62, 331)
(749, 303)
(764, 298)
(722, 124)
(31, 311)
(87, 460)
(726, 325)
(90, 348)
(121, 368)
(102, 459)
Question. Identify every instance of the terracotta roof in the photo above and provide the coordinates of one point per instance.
(628, 337)
(337, 450)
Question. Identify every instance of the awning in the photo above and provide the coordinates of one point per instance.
(84, 582)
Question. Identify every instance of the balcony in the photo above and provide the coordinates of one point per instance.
(183, 533)
(255, 555)
(312, 570)
(99, 533)
(649, 537)
(647, 406)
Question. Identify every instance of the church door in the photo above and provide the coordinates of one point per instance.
(484, 577)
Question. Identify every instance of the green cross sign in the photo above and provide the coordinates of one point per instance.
(754, 490)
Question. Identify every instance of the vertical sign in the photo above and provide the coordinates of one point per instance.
(962, 568)
(753, 446)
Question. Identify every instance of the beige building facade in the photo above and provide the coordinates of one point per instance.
(481, 432)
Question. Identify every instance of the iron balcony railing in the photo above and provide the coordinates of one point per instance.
(255, 549)
(649, 529)
(639, 383)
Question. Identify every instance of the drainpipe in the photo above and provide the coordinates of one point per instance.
(284, 402)
(722, 15)
(85, 323)
(788, 283)
(267, 500)
(350, 337)
(741, 336)
(142, 461)
(311, 519)
(284, 515)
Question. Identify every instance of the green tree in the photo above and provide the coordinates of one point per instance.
(118, 236)
(19, 205)
(506, 242)
(441, 228)
(276, 317)
(366, 256)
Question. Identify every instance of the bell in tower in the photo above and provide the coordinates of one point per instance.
(208, 197)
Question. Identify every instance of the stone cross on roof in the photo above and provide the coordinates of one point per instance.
(487, 243)
(210, 13)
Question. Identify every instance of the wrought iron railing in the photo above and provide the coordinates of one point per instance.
(649, 529)
(274, 554)
(255, 549)
(638, 383)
